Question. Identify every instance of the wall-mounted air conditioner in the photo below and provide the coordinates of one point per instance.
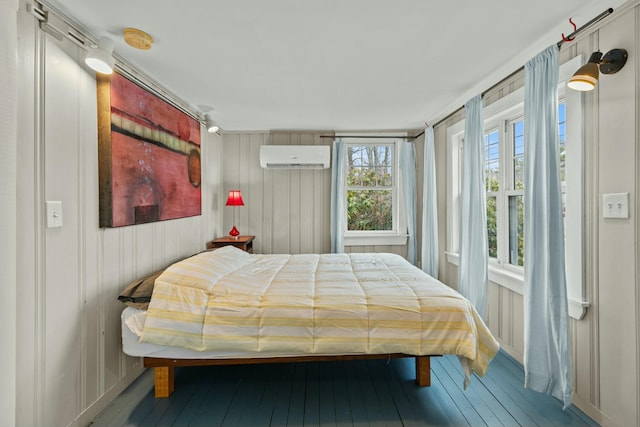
(294, 156)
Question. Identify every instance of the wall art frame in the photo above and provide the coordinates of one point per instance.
(148, 156)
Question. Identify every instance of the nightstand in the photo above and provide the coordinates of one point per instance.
(242, 242)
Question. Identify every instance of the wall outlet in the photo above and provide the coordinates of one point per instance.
(615, 205)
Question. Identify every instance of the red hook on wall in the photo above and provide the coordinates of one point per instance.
(569, 39)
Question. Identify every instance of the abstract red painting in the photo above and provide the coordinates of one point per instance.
(149, 156)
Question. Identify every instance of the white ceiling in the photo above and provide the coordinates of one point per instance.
(331, 64)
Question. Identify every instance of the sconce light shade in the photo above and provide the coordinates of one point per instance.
(101, 57)
(587, 76)
(212, 127)
(235, 198)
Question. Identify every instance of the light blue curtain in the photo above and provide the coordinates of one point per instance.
(546, 344)
(408, 171)
(338, 197)
(429, 208)
(474, 251)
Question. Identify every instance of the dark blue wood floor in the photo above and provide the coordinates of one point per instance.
(339, 394)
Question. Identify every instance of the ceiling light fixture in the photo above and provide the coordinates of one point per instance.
(212, 127)
(100, 58)
(137, 38)
(587, 76)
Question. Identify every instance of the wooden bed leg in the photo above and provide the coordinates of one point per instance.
(423, 371)
(164, 381)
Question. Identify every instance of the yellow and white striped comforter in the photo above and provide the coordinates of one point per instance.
(329, 304)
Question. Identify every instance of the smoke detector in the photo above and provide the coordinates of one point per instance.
(137, 38)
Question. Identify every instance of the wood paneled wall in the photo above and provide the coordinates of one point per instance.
(8, 190)
(70, 362)
(288, 210)
(605, 344)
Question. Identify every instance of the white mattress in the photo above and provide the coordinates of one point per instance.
(133, 318)
(132, 346)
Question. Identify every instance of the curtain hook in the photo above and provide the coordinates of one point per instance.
(575, 28)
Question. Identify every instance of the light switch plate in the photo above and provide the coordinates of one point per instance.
(54, 214)
(615, 205)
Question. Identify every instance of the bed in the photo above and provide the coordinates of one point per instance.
(230, 307)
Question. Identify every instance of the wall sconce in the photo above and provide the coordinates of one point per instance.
(212, 126)
(100, 58)
(234, 199)
(587, 76)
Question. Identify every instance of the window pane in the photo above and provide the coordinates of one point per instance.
(562, 139)
(383, 176)
(369, 210)
(518, 155)
(370, 165)
(492, 227)
(516, 230)
(492, 160)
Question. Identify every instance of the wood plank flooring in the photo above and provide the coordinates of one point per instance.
(349, 393)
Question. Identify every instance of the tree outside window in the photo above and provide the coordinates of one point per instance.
(370, 187)
(492, 184)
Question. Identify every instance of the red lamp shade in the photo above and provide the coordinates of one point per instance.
(235, 198)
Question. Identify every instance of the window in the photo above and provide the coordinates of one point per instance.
(515, 194)
(504, 175)
(504, 184)
(492, 184)
(373, 194)
(370, 187)
(562, 142)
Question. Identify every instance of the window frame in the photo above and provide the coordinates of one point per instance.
(398, 234)
(494, 126)
(503, 123)
(497, 115)
(511, 190)
(506, 274)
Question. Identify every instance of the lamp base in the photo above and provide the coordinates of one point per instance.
(234, 232)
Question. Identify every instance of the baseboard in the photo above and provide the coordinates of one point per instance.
(580, 403)
(85, 418)
(512, 351)
(594, 413)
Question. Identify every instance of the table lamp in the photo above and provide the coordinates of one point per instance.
(234, 199)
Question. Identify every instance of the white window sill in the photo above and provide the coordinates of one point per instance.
(497, 274)
(515, 282)
(375, 239)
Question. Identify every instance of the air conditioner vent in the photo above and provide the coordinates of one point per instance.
(295, 156)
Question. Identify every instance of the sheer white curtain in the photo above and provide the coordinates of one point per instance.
(338, 196)
(546, 344)
(429, 208)
(408, 171)
(474, 252)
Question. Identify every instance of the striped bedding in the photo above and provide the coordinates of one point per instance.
(328, 304)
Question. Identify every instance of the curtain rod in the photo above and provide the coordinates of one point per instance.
(585, 26)
(570, 37)
(373, 136)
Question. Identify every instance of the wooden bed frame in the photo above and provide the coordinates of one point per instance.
(164, 384)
